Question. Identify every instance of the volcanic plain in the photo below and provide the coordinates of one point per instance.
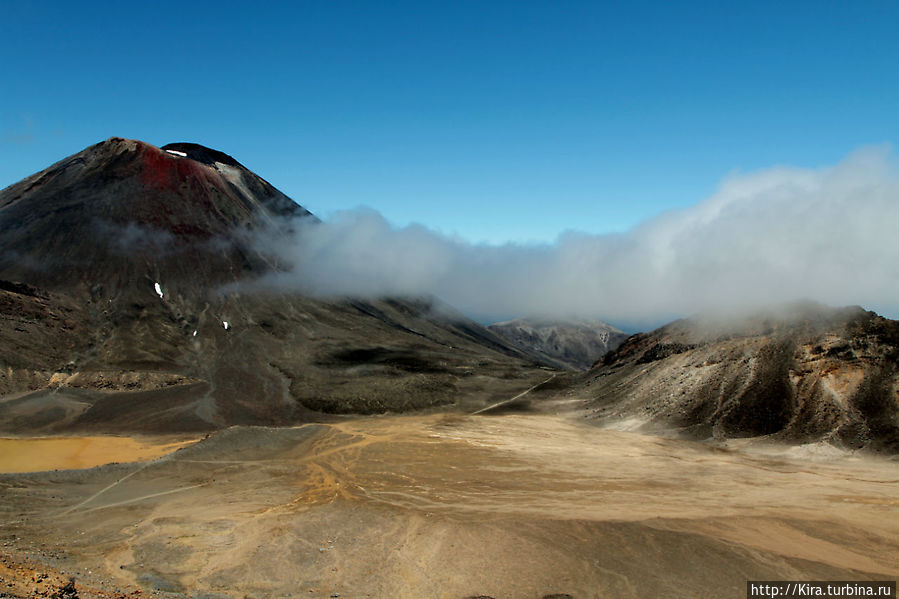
(450, 505)
(177, 425)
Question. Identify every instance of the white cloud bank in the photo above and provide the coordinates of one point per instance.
(778, 235)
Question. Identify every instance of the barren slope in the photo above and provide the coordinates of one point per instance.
(802, 374)
(569, 344)
(126, 304)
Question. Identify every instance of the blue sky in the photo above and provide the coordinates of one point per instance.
(494, 121)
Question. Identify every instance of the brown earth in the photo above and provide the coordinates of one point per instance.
(511, 506)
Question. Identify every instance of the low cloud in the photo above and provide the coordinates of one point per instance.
(772, 236)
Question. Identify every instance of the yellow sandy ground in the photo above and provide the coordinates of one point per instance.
(61, 453)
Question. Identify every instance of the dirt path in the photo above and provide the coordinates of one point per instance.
(511, 399)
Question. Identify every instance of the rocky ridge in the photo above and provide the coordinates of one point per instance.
(566, 344)
(804, 373)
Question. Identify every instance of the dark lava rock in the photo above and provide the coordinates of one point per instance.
(66, 592)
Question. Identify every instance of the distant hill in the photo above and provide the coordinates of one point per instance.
(124, 305)
(801, 373)
(568, 344)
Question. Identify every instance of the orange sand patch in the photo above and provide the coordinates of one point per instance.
(63, 453)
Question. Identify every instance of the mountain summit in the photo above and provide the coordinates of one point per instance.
(123, 308)
(123, 209)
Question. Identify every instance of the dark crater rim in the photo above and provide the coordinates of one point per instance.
(202, 154)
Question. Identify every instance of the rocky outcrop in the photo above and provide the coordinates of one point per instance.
(566, 344)
(803, 373)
